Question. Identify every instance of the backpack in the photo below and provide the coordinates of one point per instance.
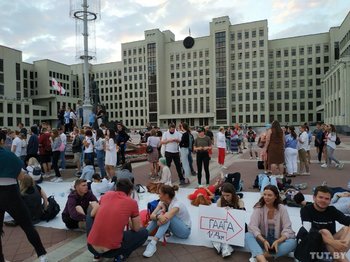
(235, 180)
(337, 141)
(52, 209)
(307, 243)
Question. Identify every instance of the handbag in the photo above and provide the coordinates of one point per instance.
(149, 149)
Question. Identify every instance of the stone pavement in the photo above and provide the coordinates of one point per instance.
(65, 245)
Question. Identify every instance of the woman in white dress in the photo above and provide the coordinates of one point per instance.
(111, 153)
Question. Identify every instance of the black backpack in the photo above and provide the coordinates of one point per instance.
(307, 243)
(52, 210)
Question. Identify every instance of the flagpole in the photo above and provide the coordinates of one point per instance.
(87, 107)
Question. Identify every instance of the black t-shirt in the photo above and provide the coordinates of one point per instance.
(251, 136)
(324, 220)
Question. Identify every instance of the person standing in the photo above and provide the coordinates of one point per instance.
(16, 146)
(303, 141)
(154, 141)
(56, 144)
(331, 146)
(221, 144)
(251, 135)
(274, 147)
(202, 145)
(122, 139)
(111, 153)
(33, 144)
(11, 201)
(228, 139)
(100, 151)
(100, 115)
(184, 151)
(63, 137)
(171, 140)
(291, 152)
(77, 148)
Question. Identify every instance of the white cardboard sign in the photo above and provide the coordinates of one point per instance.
(222, 225)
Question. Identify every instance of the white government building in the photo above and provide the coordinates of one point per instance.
(234, 75)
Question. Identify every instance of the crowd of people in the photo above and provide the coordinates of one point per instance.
(89, 205)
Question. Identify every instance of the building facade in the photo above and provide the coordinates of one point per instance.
(233, 75)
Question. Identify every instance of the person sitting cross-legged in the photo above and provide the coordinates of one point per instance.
(107, 220)
(322, 217)
(177, 219)
(270, 232)
(74, 213)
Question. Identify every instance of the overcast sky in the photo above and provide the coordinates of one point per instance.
(43, 29)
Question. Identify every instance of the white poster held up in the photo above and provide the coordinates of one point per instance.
(222, 225)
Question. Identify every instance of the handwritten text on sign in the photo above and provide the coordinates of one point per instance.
(222, 225)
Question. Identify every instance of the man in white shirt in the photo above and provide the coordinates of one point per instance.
(171, 140)
(303, 144)
(63, 137)
(16, 146)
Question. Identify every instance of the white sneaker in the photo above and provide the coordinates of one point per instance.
(226, 250)
(224, 167)
(252, 259)
(48, 175)
(43, 258)
(324, 165)
(150, 250)
(340, 165)
(217, 246)
(53, 179)
(58, 180)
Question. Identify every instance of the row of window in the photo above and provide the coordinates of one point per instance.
(247, 34)
(189, 55)
(302, 51)
(184, 106)
(185, 83)
(59, 76)
(18, 107)
(134, 51)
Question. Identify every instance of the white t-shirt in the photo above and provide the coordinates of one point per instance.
(153, 141)
(18, 143)
(99, 188)
(303, 142)
(183, 212)
(63, 138)
(220, 140)
(90, 148)
(172, 147)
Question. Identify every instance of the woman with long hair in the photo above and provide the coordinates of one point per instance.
(177, 219)
(274, 147)
(270, 232)
(55, 144)
(185, 151)
(154, 141)
(291, 151)
(111, 153)
(100, 151)
(331, 146)
(228, 199)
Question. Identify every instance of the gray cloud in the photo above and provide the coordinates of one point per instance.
(42, 29)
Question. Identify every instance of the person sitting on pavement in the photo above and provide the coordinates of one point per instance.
(228, 199)
(88, 170)
(202, 196)
(323, 217)
(341, 201)
(165, 177)
(34, 170)
(74, 213)
(106, 234)
(126, 172)
(100, 186)
(177, 219)
(34, 198)
(270, 232)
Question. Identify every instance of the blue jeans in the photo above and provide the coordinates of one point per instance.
(330, 156)
(100, 157)
(63, 159)
(175, 225)
(190, 159)
(257, 248)
(184, 160)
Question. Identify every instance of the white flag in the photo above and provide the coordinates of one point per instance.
(57, 86)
